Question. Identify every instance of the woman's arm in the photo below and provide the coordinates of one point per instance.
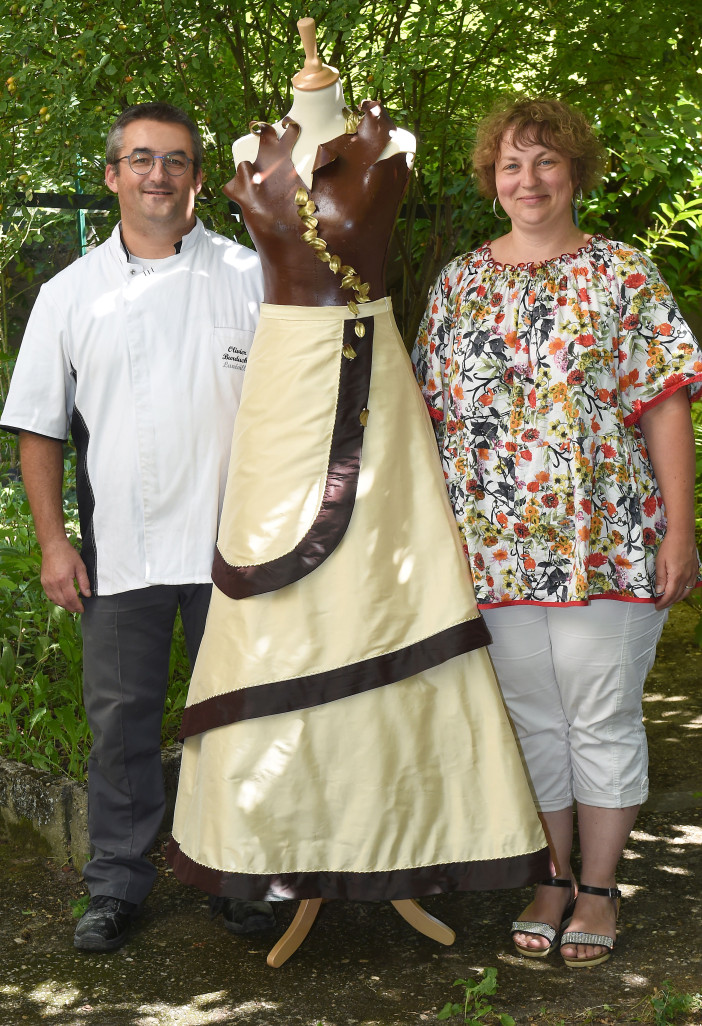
(667, 429)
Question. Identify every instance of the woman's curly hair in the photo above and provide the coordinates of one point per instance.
(548, 122)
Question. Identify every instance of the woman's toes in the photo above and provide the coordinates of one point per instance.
(530, 940)
(582, 951)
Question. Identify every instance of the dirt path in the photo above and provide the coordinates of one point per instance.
(362, 965)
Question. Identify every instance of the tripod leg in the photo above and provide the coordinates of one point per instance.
(417, 917)
(295, 933)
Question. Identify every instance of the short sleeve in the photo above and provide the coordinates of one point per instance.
(42, 390)
(657, 352)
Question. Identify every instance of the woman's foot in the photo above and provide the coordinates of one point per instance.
(594, 916)
(546, 913)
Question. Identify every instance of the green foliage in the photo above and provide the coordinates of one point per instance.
(79, 905)
(651, 192)
(695, 599)
(40, 655)
(71, 67)
(438, 66)
(42, 720)
(476, 1011)
(31, 240)
(669, 1004)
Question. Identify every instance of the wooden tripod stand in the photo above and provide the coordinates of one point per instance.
(307, 912)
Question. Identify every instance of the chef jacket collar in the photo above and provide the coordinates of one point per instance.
(184, 244)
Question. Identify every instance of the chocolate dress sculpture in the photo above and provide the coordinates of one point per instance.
(345, 737)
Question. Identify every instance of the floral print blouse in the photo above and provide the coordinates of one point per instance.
(536, 377)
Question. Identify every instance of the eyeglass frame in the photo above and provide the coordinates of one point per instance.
(154, 157)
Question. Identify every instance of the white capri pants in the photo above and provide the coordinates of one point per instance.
(572, 679)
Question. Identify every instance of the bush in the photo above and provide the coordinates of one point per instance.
(42, 720)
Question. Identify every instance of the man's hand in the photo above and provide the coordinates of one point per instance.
(61, 566)
(61, 569)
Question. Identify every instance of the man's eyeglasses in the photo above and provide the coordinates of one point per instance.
(141, 162)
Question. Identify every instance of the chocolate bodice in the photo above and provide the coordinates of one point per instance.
(356, 197)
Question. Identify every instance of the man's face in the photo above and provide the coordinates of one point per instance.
(155, 200)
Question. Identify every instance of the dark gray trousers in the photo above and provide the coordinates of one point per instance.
(126, 651)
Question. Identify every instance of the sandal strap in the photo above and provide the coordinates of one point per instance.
(556, 881)
(540, 929)
(602, 892)
(599, 939)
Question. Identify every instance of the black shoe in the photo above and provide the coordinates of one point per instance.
(244, 916)
(105, 924)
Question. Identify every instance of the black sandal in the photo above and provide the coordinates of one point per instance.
(601, 940)
(545, 929)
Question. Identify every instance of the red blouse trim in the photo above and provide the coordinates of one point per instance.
(616, 596)
(640, 408)
(533, 265)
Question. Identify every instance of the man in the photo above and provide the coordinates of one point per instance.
(139, 348)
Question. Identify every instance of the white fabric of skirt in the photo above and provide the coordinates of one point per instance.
(410, 783)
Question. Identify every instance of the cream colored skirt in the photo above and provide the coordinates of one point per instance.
(345, 736)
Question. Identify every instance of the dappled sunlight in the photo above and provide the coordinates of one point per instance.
(641, 835)
(366, 478)
(654, 697)
(262, 645)
(690, 835)
(200, 1010)
(629, 890)
(271, 765)
(106, 304)
(663, 857)
(141, 283)
(636, 980)
(54, 994)
(532, 965)
(305, 499)
(404, 561)
(60, 1005)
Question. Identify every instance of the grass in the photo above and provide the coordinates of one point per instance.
(42, 722)
(474, 1008)
(667, 1006)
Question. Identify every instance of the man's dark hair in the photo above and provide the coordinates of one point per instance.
(153, 112)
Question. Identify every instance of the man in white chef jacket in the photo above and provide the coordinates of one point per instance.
(139, 350)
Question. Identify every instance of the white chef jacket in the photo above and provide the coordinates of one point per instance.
(144, 364)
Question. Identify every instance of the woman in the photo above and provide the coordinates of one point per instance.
(558, 373)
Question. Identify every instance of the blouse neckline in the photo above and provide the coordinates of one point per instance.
(532, 264)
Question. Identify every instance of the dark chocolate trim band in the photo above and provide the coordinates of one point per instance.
(339, 496)
(319, 688)
(392, 885)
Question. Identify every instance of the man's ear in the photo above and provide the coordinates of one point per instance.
(111, 177)
(198, 181)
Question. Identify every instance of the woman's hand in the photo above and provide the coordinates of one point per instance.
(676, 569)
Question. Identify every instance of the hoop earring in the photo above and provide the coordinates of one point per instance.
(576, 201)
(494, 210)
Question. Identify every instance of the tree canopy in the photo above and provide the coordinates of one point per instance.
(634, 68)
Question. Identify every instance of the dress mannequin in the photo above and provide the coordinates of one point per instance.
(345, 736)
(318, 108)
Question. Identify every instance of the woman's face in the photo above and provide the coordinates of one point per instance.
(534, 184)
